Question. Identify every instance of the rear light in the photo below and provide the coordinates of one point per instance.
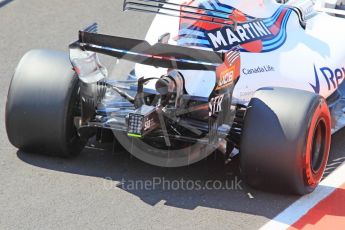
(142, 121)
(135, 125)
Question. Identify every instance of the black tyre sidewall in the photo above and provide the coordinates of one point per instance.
(40, 105)
(274, 139)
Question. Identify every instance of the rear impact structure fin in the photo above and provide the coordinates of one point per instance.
(185, 11)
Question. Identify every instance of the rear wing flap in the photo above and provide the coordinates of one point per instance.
(140, 51)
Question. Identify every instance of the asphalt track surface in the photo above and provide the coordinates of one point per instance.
(38, 192)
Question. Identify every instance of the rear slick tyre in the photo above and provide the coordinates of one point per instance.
(286, 140)
(41, 105)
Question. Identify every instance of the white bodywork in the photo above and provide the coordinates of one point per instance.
(311, 56)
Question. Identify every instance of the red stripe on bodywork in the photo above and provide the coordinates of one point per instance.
(275, 28)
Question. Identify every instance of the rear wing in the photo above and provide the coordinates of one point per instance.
(183, 10)
(140, 51)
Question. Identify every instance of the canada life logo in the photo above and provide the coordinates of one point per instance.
(251, 34)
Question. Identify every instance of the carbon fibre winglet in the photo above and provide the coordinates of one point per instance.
(180, 10)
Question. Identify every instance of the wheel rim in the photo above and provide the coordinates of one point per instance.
(318, 146)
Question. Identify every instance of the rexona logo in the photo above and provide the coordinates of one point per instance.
(333, 77)
(226, 37)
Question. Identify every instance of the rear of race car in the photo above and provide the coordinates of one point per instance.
(154, 117)
(155, 109)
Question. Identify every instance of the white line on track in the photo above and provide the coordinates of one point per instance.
(299, 208)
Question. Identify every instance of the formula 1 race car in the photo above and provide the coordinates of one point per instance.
(252, 78)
